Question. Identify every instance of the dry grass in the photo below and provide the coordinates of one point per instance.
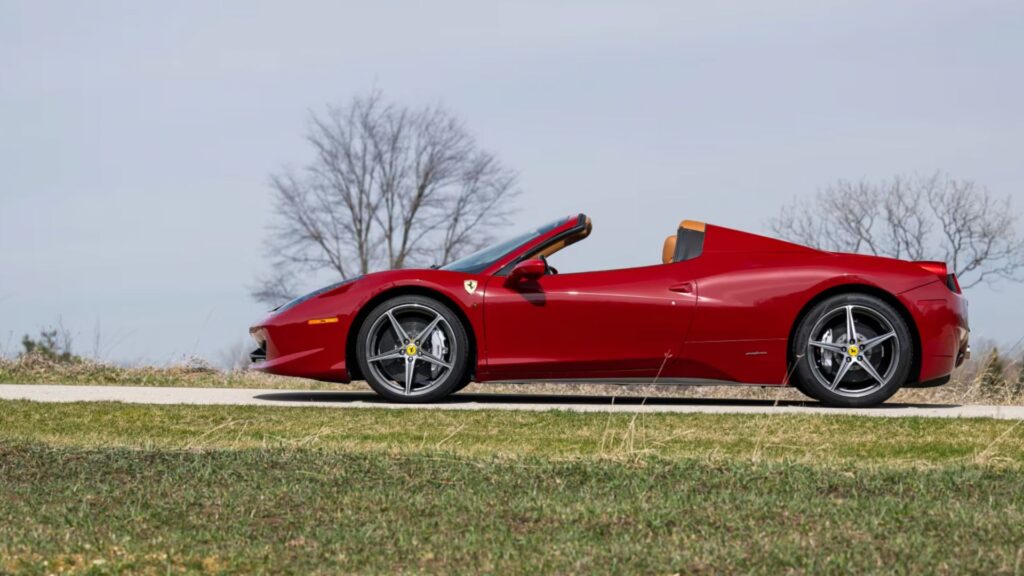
(29, 369)
(968, 385)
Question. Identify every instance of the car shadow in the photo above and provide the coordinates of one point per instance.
(567, 399)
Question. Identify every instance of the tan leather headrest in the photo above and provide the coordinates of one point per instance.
(668, 250)
(692, 225)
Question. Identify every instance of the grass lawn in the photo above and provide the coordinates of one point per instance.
(107, 488)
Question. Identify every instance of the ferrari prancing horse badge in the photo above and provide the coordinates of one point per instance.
(470, 286)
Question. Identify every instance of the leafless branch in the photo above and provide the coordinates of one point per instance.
(274, 289)
(937, 218)
(388, 187)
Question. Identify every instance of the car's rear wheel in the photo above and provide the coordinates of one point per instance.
(852, 350)
(412, 349)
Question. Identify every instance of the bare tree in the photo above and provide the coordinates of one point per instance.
(388, 187)
(935, 218)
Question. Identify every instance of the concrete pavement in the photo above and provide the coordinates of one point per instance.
(471, 401)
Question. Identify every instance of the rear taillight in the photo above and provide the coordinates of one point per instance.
(942, 272)
(937, 268)
(953, 283)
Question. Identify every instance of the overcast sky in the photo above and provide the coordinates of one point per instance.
(136, 138)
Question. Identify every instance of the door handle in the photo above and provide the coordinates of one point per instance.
(682, 288)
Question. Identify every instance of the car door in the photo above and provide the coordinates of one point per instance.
(605, 324)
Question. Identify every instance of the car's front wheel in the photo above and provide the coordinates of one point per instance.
(852, 350)
(413, 349)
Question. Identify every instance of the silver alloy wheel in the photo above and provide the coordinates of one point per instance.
(411, 348)
(853, 350)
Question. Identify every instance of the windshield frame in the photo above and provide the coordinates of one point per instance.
(484, 260)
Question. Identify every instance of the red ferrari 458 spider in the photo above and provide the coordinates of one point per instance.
(723, 306)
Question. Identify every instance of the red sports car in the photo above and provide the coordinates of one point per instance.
(723, 306)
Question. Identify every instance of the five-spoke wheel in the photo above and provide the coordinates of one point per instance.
(413, 349)
(852, 350)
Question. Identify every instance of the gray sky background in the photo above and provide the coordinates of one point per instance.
(136, 137)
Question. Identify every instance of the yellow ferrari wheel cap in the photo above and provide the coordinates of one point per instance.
(854, 350)
(410, 350)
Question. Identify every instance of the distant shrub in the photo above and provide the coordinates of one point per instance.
(53, 345)
(999, 379)
(1018, 384)
(197, 365)
(993, 377)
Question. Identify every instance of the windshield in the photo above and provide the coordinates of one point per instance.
(482, 259)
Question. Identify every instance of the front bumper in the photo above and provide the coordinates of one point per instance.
(301, 349)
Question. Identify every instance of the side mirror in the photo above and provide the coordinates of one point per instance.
(527, 270)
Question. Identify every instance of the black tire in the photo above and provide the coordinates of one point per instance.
(852, 374)
(799, 385)
(462, 386)
(387, 377)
